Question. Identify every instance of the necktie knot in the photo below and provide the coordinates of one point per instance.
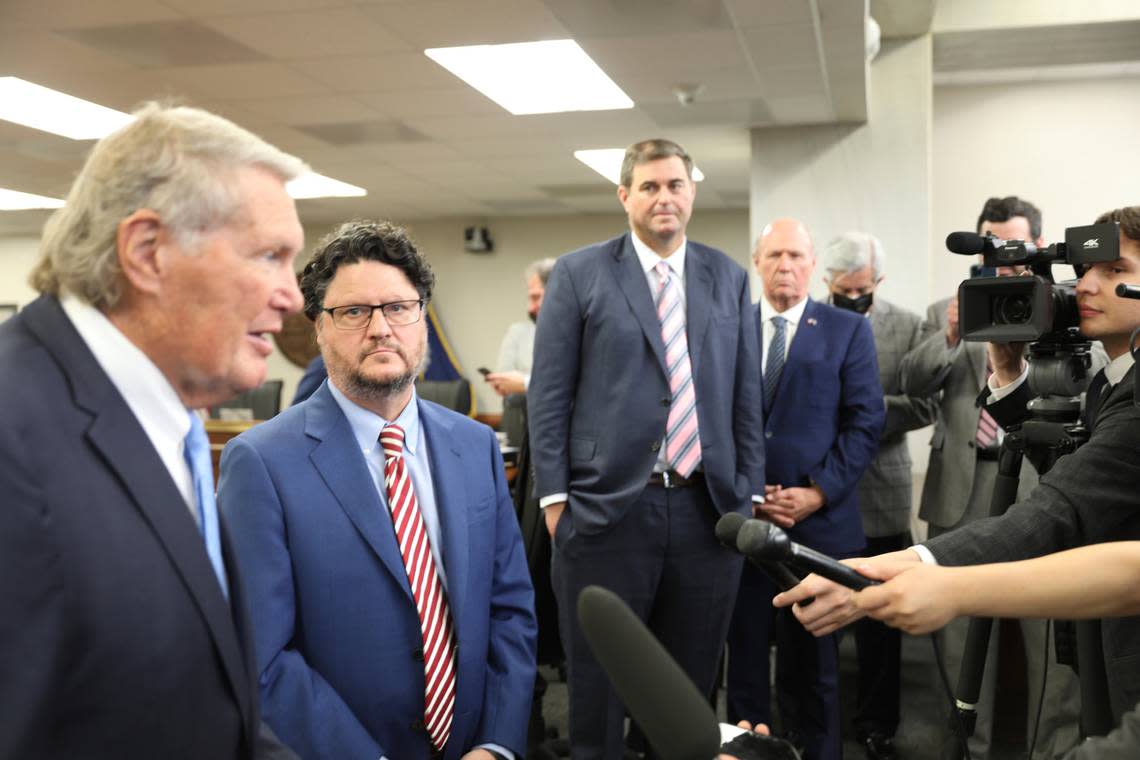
(392, 440)
(197, 454)
(778, 322)
(663, 271)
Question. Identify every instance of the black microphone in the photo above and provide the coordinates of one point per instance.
(965, 243)
(728, 529)
(765, 541)
(1124, 290)
(676, 719)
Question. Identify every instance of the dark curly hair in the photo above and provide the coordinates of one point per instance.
(357, 241)
(1004, 209)
(1129, 218)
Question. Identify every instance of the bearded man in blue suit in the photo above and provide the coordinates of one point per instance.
(823, 413)
(392, 606)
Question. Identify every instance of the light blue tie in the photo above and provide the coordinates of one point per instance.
(775, 365)
(202, 471)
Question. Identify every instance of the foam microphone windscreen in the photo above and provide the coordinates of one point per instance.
(727, 527)
(965, 242)
(675, 718)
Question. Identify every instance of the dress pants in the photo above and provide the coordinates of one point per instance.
(1060, 712)
(807, 670)
(662, 558)
(878, 650)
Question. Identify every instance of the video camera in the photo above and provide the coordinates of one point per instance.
(1025, 309)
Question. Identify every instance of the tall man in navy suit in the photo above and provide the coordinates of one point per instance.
(823, 408)
(645, 425)
(123, 627)
(389, 590)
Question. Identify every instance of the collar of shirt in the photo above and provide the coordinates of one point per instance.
(1116, 369)
(649, 258)
(366, 425)
(142, 385)
(793, 314)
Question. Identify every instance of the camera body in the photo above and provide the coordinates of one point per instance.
(1027, 309)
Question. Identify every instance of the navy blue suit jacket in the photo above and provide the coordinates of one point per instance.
(115, 638)
(825, 421)
(598, 399)
(338, 640)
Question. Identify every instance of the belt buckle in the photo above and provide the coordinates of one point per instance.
(667, 479)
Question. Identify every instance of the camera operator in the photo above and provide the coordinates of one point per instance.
(961, 473)
(1088, 497)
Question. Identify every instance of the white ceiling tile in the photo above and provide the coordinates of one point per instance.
(241, 80)
(70, 14)
(770, 12)
(398, 71)
(311, 109)
(782, 46)
(201, 8)
(446, 101)
(447, 24)
(324, 33)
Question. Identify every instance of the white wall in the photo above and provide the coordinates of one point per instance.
(873, 177)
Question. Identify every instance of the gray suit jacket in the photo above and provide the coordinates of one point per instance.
(599, 393)
(885, 488)
(959, 374)
(1090, 496)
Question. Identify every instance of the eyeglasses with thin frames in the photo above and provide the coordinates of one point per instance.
(359, 316)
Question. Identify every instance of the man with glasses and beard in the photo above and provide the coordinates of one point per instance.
(391, 601)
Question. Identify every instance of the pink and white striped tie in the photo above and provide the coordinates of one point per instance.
(431, 603)
(682, 441)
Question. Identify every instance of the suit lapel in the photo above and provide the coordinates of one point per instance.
(451, 503)
(120, 440)
(976, 356)
(698, 302)
(631, 279)
(340, 464)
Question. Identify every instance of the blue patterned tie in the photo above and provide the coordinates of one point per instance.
(775, 364)
(202, 471)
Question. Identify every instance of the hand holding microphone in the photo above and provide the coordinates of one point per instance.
(762, 541)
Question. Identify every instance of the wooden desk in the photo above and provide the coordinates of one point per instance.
(220, 432)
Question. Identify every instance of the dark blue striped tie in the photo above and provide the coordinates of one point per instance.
(775, 364)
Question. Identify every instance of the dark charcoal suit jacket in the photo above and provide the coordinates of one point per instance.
(116, 641)
(599, 394)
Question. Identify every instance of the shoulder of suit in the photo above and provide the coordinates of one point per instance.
(605, 248)
(459, 424)
(290, 422)
(828, 313)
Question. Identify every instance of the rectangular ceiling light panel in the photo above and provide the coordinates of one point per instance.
(313, 185)
(14, 200)
(52, 111)
(607, 162)
(553, 76)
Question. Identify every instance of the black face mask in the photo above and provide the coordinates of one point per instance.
(860, 305)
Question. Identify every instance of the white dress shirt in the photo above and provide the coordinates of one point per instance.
(149, 395)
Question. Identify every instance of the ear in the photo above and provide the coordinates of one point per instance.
(137, 241)
(623, 196)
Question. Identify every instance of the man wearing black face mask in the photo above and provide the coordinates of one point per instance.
(854, 263)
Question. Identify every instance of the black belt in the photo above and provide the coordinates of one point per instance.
(672, 479)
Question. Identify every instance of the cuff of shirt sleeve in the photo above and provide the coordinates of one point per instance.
(553, 498)
(526, 381)
(998, 393)
(500, 753)
(924, 554)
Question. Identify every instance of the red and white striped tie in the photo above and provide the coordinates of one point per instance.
(431, 604)
(682, 439)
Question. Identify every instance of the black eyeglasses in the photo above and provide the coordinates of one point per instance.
(358, 316)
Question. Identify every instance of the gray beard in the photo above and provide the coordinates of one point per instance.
(379, 390)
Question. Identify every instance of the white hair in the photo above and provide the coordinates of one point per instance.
(174, 160)
(853, 251)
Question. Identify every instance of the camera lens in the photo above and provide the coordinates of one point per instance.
(1012, 309)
